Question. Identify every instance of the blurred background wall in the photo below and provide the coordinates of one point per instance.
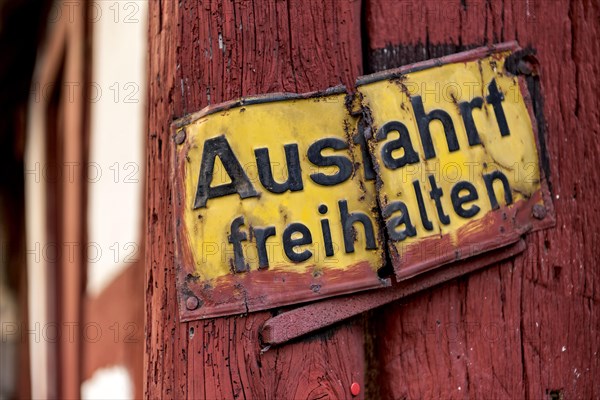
(73, 77)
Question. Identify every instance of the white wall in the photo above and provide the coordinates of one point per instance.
(118, 116)
(116, 185)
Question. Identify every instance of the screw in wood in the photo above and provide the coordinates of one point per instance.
(180, 137)
(539, 211)
(191, 303)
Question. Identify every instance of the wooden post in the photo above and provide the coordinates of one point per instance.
(208, 52)
(526, 328)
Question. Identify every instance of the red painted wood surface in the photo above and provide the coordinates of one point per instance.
(524, 328)
(527, 328)
(210, 52)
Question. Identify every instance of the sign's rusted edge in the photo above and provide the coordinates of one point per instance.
(469, 55)
(474, 244)
(257, 99)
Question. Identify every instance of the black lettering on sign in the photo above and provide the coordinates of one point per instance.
(458, 201)
(360, 140)
(326, 231)
(394, 223)
(423, 122)
(261, 235)
(410, 156)
(466, 111)
(422, 211)
(343, 163)
(265, 173)
(348, 219)
(236, 237)
(289, 243)
(436, 195)
(240, 184)
(496, 98)
(489, 184)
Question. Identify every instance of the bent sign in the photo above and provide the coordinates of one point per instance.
(455, 148)
(284, 199)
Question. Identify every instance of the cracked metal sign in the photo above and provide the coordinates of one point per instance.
(283, 199)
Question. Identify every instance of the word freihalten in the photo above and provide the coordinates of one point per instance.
(297, 234)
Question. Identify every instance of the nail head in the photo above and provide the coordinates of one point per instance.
(539, 211)
(180, 137)
(191, 303)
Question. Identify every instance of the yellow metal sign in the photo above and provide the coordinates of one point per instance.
(279, 198)
(274, 205)
(456, 157)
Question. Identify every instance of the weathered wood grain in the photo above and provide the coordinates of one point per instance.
(213, 51)
(521, 329)
(527, 328)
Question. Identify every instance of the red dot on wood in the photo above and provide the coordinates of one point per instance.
(355, 389)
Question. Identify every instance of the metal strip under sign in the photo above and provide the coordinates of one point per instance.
(283, 199)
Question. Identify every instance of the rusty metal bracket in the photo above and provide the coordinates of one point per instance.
(312, 317)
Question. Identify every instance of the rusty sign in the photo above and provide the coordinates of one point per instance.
(455, 147)
(272, 205)
(283, 199)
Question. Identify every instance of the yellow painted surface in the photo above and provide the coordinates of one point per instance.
(272, 125)
(442, 88)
